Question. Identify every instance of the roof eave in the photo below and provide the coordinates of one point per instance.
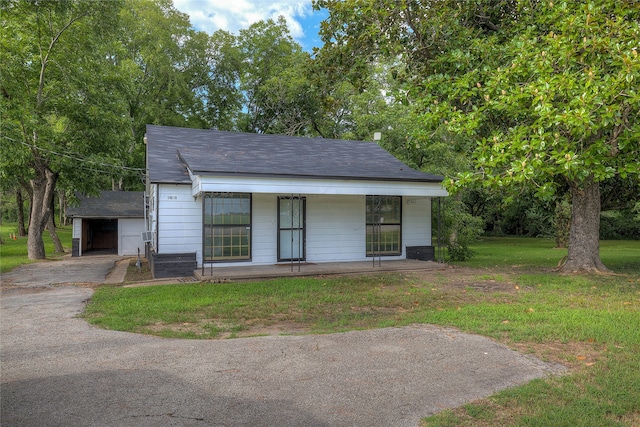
(436, 179)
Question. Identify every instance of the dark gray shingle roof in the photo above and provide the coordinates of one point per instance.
(110, 204)
(211, 152)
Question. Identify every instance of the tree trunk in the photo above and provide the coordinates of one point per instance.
(584, 236)
(52, 217)
(57, 245)
(29, 189)
(20, 203)
(51, 226)
(62, 205)
(42, 186)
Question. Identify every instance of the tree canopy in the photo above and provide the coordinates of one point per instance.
(547, 91)
(81, 79)
(507, 98)
(58, 102)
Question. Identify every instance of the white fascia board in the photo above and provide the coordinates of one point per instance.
(243, 184)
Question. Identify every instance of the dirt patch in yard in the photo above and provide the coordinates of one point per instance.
(574, 354)
(217, 329)
(462, 278)
(134, 275)
(458, 285)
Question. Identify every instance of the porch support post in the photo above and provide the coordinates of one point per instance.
(300, 239)
(440, 249)
(377, 230)
(291, 262)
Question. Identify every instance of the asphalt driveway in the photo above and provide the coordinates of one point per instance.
(58, 370)
(87, 269)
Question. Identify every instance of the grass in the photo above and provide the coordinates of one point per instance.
(509, 292)
(619, 255)
(207, 310)
(14, 252)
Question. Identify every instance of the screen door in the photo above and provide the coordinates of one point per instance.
(291, 228)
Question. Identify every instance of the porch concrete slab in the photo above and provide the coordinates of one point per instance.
(312, 269)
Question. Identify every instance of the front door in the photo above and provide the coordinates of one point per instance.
(291, 228)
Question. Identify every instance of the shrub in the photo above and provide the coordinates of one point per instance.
(619, 225)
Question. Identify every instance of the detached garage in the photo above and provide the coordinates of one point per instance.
(112, 222)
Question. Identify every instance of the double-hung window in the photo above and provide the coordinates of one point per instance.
(226, 226)
(384, 225)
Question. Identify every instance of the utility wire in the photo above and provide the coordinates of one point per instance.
(79, 159)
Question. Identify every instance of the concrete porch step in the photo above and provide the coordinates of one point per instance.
(311, 269)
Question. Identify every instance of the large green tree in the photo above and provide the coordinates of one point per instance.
(61, 112)
(223, 99)
(547, 90)
(562, 107)
(268, 53)
(164, 64)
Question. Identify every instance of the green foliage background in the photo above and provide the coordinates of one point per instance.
(518, 104)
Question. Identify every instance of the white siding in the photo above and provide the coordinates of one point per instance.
(335, 225)
(264, 232)
(77, 228)
(416, 222)
(152, 213)
(130, 236)
(179, 224)
(336, 228)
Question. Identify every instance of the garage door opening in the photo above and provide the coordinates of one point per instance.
(100, 235)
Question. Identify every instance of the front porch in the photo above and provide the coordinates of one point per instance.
(260, 272)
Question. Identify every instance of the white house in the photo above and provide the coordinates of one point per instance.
(231, 198)
(111, 222)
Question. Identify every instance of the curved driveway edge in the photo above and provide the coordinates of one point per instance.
(58, 370)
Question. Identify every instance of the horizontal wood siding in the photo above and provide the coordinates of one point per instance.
(264, 224)
(416, 222)
(179, 220)
(335, 228)
(152, 214)
(130, 236)
(77, 228)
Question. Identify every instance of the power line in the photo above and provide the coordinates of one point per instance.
(79, 159)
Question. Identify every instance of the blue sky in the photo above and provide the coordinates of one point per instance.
(233, 15)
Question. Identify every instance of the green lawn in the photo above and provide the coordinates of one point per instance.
(14, 252)
(619, 255)
(508, 292)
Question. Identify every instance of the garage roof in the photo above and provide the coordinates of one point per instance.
(109, 204)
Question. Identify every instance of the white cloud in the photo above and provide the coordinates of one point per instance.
(233, 15)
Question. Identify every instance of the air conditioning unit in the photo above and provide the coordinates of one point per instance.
(147, 236)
